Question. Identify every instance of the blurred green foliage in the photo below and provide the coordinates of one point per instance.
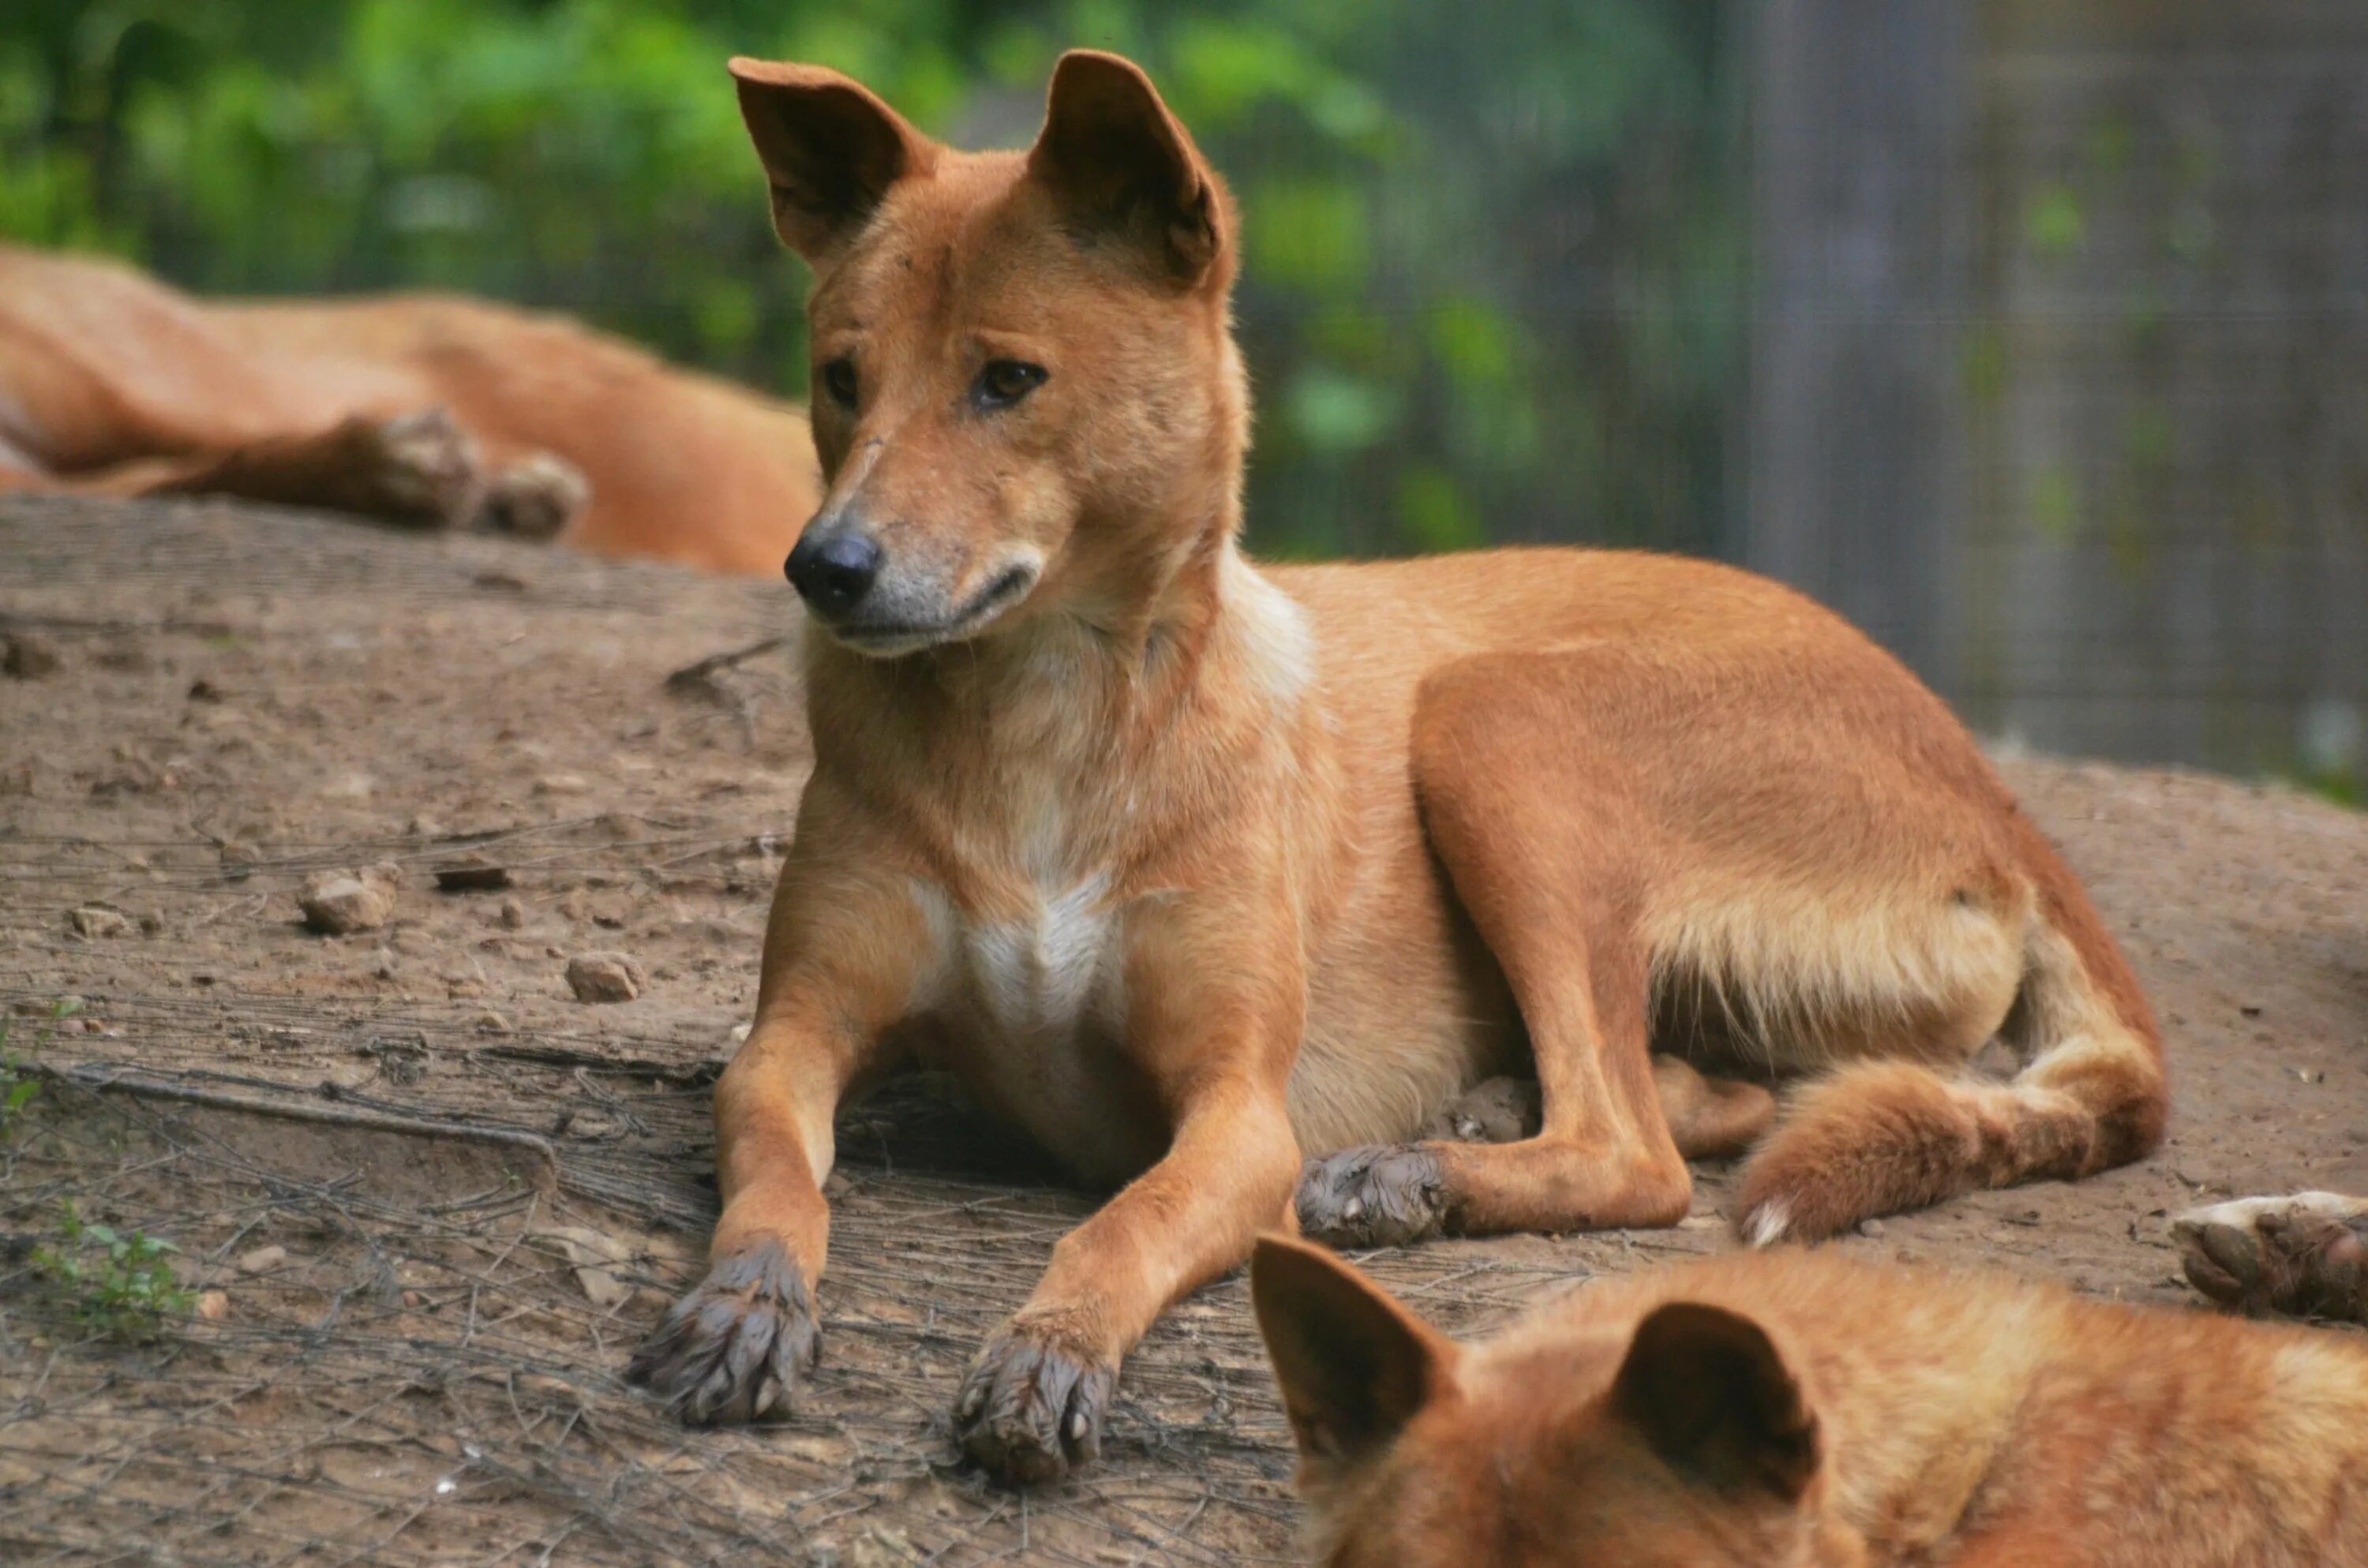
(1494, 274)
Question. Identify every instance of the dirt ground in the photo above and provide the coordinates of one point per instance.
(417, 1350)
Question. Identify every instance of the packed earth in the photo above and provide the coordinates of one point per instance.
(375, 913)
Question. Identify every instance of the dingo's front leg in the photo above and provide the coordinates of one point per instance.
(1215, 1027)
(841, 958)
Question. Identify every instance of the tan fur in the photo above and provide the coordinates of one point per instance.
(1923, 1420)
(112, 382)
(1194, 869)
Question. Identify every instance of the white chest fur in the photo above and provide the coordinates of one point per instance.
(1048, 973)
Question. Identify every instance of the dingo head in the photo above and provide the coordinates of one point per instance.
(1026, 396)
(1686, 1441)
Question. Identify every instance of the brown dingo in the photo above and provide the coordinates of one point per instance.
(1793, 1409)
(424, 409)
(1196, 870)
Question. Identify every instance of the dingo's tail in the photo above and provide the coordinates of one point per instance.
(1873, 1137)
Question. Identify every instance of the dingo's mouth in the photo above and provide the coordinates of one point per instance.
(887, 639)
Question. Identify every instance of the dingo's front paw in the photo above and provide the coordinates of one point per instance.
(1031, 1408)
(732, 1350)
(1374, 1196)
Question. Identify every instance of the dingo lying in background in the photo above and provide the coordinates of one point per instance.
(1195, 869)
(1793, 1409)
(416, 408)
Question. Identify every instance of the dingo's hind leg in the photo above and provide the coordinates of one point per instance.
(1552, 885)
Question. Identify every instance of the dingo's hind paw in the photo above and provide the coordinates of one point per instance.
(2306, 1255)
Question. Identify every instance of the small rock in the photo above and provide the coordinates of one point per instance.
(491, 1022)
(263, 1259)
(1872, 1228)
(472, 874)
(341, 903)
(604, 977)
(27, 656)
(411, 1299)
(215, 1305)
(561, 784)
(513, 915)
(98, 920)
(203, 691)
(1700, 1222)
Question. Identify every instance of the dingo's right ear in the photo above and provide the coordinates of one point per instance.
(1711, 1393)
(831, 149)
(1354, 1366)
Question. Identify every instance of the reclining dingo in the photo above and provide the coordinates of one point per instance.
(1200, 872)
(420, 409)
(1794, 1409)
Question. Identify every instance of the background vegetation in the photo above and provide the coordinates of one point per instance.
(1493, 274)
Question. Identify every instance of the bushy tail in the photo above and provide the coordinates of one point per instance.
(1874, 1138)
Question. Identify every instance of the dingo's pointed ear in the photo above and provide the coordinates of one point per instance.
(1714, 1399)
(830, 148)
(1354, 1366)
(1113, 155)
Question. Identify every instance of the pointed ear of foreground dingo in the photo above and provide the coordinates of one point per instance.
(1715, 1401)
(1354, 1366)
(1121, 164)
(831, 149)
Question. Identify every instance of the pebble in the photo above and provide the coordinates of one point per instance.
(97, 920)
(513, 915)
(262, 1259)
(342, 902)
(215, 1305)
(604, 977)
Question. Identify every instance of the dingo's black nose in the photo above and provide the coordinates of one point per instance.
(832, 573)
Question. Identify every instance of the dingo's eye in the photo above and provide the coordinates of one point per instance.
(839, 380)
(1005, 381)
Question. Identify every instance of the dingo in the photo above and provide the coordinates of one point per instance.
(418, 408)
(1793, 1409)
(1194, 869)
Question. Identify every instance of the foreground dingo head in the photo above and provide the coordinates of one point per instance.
(1026, 394)
(1683, 1438)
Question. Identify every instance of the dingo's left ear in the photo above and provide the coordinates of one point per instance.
(830, 148)
(1113, 154)
(1354, 1366)
(1713, 1396)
